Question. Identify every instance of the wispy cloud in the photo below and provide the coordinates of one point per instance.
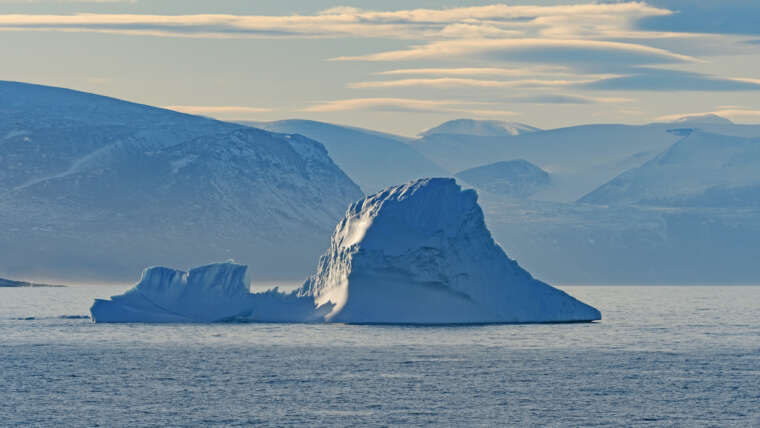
(452, 82)
(536, 50)
(652, 79)
(411, 105)
(568, 99)
(575, 52)
(473, 71)
(495, 21)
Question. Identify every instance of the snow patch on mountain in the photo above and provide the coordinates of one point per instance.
(707, 118)
(483, 128)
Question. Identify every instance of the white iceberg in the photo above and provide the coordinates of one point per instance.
(421, 253)
(214, 293)
(418, 253)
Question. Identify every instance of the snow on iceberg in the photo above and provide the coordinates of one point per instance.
(416, 253)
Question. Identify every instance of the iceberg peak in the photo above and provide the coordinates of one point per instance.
(421, 253)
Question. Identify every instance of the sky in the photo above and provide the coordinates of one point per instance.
(397, 66)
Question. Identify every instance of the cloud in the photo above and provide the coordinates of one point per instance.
(650, 79)
(568, 99)
(581, 53)
(433, 24)
(736, 115)
(410, 105)
(238, 112)
(475, 71)
(452, 82)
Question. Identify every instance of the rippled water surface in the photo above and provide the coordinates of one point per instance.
(662, 356)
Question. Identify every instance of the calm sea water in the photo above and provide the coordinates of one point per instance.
(662, 356)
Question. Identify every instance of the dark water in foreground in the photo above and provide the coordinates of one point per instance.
(662, 356)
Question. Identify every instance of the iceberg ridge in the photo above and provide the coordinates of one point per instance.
(214, 293)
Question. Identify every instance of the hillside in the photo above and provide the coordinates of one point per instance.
(94, 188)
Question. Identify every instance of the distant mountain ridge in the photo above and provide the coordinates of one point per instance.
(374, 160)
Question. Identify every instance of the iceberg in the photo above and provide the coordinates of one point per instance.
(418, 253)
(421, 253)
(214, 293)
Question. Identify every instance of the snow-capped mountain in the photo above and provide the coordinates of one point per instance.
(517, 178)
(703, 119)
(700, 170)
(482, 128)
(93, 188)
(374, 160)
(579, 158)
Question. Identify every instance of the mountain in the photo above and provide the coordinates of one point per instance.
(482, 128)
(93, 188)
(517, 178)
(372, 159)
(704, 119)
(702, 169)
(579, 158)
(714, 124)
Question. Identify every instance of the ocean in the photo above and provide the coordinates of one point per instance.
(662, 356)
